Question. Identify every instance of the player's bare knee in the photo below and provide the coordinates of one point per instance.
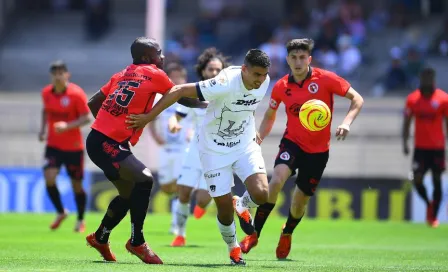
(77, 186)
(260, 196)
(418, 179)
(184, 194)
(50, 177)
(203, 198)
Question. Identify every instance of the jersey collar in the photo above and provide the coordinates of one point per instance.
(308, 76)
(53, 90)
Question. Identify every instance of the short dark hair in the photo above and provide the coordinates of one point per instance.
(175, 67)
(427, 74)
(58, 65)
(300, 44)
(139, 47)
(256, 57)
(208, 55)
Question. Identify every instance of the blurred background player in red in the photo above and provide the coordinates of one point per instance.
(64, 112)
(209, 64)
(300, 149)
(429, 106)
(131, 91)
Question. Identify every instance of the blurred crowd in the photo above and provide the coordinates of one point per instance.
(338, 27)
(341, 29)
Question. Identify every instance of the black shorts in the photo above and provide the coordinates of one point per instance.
(425, 159)
(311, 166)
(72, 160)
(106, 153)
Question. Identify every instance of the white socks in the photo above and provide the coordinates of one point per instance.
(182, 212)
(228, 234)
(174, 205)
(245, 202)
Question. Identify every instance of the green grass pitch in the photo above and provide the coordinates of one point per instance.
(27, 244)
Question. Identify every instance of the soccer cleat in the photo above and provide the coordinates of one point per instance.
(179, 241)
(198, 212)
(59, 218)
(144, 252)
(80, 226)
(245, 218)
(434, 223)
(249, 242)
(235, 257)
(284, 246)
(103, 249)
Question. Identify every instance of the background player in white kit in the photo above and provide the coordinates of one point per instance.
(173, 144)
(210, 63)
(227, 139)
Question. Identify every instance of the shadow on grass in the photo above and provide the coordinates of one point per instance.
(187, 246)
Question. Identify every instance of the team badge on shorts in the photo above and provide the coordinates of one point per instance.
(212, 188)
(285, 156)
(313, 88)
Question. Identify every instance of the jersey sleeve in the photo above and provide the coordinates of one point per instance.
(408, 108)
(81, 103)
(338, 85)
(276, 99)
(163, 82)
(182, 110)
(213, 88)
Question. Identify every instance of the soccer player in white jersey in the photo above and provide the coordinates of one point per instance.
(227, 138)
(173, 144)
(209, 64)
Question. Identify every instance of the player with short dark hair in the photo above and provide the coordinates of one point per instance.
(130, 91)
(227, 138)
(429, 106)
(64, 112)
(300, 149)
(210, 63)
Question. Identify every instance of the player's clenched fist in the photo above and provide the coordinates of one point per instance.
(137, 121)
(342, 131)
(173, 125)
(60, 127)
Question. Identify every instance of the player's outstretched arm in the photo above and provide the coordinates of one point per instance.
(176, 93)
(95, 102)
(267, 123)
(192, 103)
(63, 126)
(405, 133)
(355, 107)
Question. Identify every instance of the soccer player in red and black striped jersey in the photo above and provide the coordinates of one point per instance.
(429, 106)
(64, 112)
(131, 91)
(300, 149)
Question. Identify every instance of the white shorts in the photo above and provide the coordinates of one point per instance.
(191, 174)
(220, 180)
(170, 164)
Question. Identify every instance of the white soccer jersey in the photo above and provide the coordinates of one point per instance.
(229, 124)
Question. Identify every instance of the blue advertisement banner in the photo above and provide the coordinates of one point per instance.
(23, 190)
